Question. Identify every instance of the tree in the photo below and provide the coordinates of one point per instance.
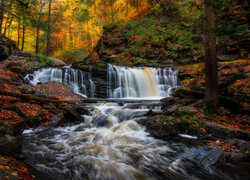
(37, 20)
(49, 30)
(2, 8)
(211, 72)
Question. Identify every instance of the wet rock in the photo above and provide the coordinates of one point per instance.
(82, 127)
(172, 109)
(221, 132)
(234, 142)
(244, 146)
(98, 71)
(209, 155)
(159, 131)
(10, 145)
(71, 114)
(6, 128)
(235, 157)
(168, 101)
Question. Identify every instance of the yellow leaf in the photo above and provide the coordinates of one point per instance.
(15, 173)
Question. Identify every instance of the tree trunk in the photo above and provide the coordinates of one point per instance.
(5, 26)
(1, 16)
(48, 30)
(37, 39)
(23, 38)
(127, 7)
(18, 34)
(211, 72)
(9, 26)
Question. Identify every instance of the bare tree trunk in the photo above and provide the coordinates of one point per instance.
(5, 26)
(37, 39)
(211, 72)
(18, 34)
(112, 10)
(127, 7)
(38, 27)
(1, 16)
(48, 30)
(9, 26)
(23, 38)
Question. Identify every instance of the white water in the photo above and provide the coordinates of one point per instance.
(76, 79)
(123, 82)
(154, 83)
(112, 145)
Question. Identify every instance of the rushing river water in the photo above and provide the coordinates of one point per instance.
(112, 144)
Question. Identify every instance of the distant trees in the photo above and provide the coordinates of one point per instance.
(51, 26)
(211, 72)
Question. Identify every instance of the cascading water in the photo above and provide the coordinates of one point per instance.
(122, 82)
(125, 82)
(79, 81)
(112, 145)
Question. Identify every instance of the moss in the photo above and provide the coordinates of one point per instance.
(235, 61)
(6, 67)
(185, 113)
(44, 60)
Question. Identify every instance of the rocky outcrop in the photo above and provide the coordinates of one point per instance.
(98, 71)
(58, 90)
(10, 145)
(7, 47)
(23, 106)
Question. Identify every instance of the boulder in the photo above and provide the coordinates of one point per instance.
(3, 52)
(158, 131)
(209, 156)
(172, 109)
(10, 145)
(58, 90)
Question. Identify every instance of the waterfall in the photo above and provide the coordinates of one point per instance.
(76, 79)
(122, 82)
(143, 82)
